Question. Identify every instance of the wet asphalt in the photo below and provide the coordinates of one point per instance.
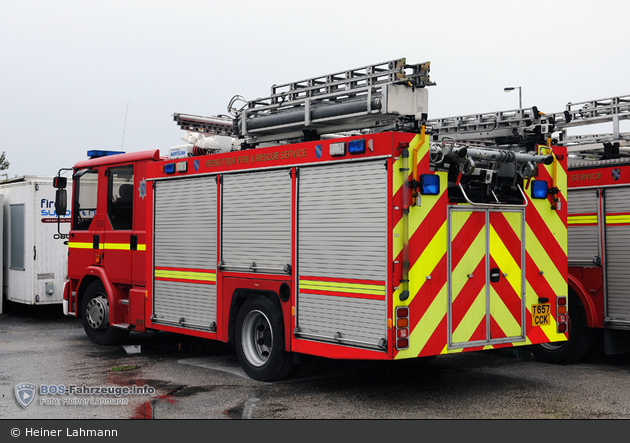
(199, 379)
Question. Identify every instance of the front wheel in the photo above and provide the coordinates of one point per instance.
(95, 316)
(259, 337)
(580, 343)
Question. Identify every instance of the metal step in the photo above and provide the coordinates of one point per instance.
(121, 326)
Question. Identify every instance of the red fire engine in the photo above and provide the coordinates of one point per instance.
(334, 227)
(598, 217)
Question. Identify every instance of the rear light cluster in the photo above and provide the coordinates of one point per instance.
(563, 317)
(402, 328)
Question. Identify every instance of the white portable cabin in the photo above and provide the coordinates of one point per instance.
(35, 250)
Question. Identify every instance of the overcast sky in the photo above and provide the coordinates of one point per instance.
(92, 74)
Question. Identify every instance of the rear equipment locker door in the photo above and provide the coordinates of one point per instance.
(486, 276)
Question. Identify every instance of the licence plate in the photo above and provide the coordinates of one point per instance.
(541, 314)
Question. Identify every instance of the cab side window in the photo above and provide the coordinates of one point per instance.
(120, 199)
(85, 196)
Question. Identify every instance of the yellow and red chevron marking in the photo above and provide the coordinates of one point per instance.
(345, 287)
(505, 254)
(427, 258)
(468, 258)
(546, 246)
(545, 250)
(472, 312)
(186, 275)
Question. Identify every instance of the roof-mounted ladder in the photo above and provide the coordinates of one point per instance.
(369, 97)
(520, 126)
(516, 126)
(613, 110)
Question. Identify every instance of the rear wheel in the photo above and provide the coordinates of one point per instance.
(580, 343)
(259, 337)
(95, 316)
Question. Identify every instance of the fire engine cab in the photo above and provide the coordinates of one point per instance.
(333, 225)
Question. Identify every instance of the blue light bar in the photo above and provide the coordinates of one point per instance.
(540, 189)
(95, 153)
(356, 146)
(169, 168)
(429, 184)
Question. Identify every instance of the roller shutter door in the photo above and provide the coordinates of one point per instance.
(185, 226)
(256, 222)
(617, 207)
(583, 239)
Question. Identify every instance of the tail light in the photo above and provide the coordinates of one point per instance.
(402, 327)
(562, 316)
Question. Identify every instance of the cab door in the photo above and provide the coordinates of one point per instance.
(119, 241)
(86, 236)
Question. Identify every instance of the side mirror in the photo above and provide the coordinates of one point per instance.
(60, 182)
(61, 201)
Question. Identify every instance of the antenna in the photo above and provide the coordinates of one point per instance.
(124, 127)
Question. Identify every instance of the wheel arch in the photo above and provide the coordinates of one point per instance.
(92, 274)
(587, 302)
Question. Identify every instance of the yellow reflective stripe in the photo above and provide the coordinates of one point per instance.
(582, 219)
(80, 245)
(186, 275)
(117, 246)
(356, 288)
(111, 246)
(615, 219)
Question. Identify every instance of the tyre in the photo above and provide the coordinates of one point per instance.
(259, 340)
(580, 344)
(95, 316)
